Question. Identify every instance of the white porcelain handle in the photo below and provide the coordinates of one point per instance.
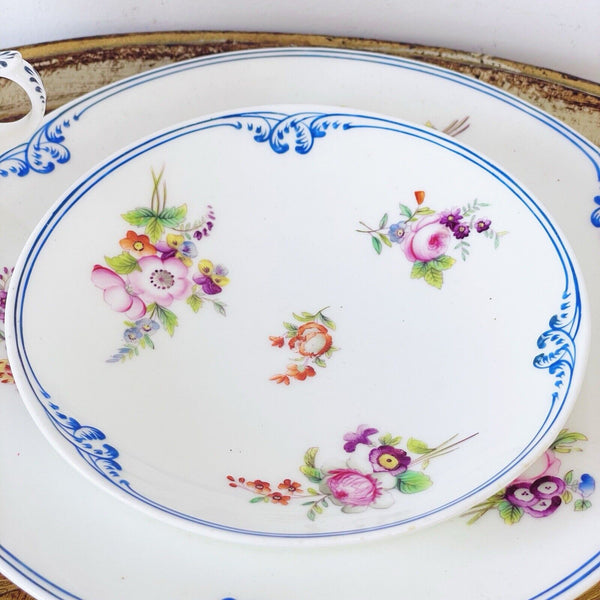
(13, 67)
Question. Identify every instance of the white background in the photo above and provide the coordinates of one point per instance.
(563, 35)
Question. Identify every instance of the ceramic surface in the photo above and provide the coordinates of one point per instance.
(547, 557)
(450, 284)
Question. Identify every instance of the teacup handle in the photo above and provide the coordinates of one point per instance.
(13, 67)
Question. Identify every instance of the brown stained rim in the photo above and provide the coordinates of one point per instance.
(211, 42)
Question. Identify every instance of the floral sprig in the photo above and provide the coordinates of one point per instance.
(370, 476)
(426, 235)
(153, 271)
(6, 375)
(540, 491)
(311, 342)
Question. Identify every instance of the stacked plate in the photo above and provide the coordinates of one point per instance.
(291, 323)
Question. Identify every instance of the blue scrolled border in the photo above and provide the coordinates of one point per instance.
(579, 574)
(299, 132)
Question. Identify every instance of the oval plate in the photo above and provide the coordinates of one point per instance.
(393, 255)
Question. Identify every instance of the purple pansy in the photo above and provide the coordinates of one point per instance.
(450, 218)
(360, 436)
(538, 499)
(389, 459)
(132, 335)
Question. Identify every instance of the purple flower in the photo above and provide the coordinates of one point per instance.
(199, 234)
(389, 459)
(2, 305)
(461, 231)
(538, 499)
(482, 225)
(207, 284)
(587, 485)
(132, 335)
(548, 486)
(147, 326)
(397, 231)
(450, 218)
(361, 436)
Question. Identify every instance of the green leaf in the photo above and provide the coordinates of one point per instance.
(326, 321)
(195, 302)
(568, 437)
(417, 446)
(139, 216)
(220, 308)
(302, 319)
(324, 503)
(383, 221)
(443, 262)
(423, 210)
(568, 477)
(418, 270)
(165, 316)
(312, 491)
(311, 514)
(434, 277)
(312, 473)
(567, 496)
(123, 263)
(171, 217)
(154, 229)
(310, 455)
(320, 362)
(411, 482)
(318, 509)
(257, 499)
(385, 239)
(582, 505)
(291, 328)
(389, 440)
(406, 211)
(376, 244)
(510, 513)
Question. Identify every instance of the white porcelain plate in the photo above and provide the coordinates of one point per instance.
(299, 322)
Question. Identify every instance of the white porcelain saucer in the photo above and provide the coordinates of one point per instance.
(115, 547)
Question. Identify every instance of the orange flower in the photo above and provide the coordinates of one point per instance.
(262, 487)
(280, 379)
(290, 486)
(312, 339)
(278, 498)
(276, 341)
(138, 245)
(6, 375)
(420, 196)
(300, 374)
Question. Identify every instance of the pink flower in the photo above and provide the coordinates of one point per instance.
(353, 487)
(116, 294)
(545, 465)
(427, 239)
(160, 280)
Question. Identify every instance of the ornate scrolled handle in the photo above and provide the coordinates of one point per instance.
(13, 67)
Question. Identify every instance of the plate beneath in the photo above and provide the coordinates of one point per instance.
(299, 322)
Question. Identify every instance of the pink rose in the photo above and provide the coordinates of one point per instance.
(545, 465)
(427, 239)
(351, 487)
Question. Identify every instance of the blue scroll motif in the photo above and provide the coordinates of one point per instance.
(41, 154)
(558, 345)
(89, 443)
